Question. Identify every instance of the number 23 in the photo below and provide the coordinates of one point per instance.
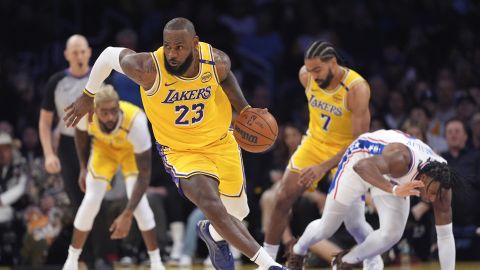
(183, 110)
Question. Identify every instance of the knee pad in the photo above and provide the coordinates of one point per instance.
(91, 203)
(144, 215)
(236, 206)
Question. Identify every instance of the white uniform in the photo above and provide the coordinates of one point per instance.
(347, 186)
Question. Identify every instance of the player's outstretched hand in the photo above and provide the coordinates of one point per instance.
(121, 226)
(408, 189)
(76, 110)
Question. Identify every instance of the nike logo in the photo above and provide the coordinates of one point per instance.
(168, 84)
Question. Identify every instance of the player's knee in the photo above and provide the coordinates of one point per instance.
(211, 206)
(144, 216)
(390, 237)
(240, 212)
(284, 198)
(87, 212)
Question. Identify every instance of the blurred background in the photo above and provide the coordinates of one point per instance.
(421, 58)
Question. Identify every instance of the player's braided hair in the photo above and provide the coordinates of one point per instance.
(323, 50)
(440, 172)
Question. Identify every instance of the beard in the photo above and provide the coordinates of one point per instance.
(108, 127)
(326, 82)
(180, 69)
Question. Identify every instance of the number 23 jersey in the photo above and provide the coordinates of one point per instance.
(187, 113)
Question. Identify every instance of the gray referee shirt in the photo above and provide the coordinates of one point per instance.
(63, 89)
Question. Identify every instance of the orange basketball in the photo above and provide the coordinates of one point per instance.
(255, 130)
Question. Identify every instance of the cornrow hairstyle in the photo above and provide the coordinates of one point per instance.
(448, 178)
(323, 50)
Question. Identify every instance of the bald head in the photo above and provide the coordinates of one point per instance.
(77, 53)
(180, 24)
(76, 41)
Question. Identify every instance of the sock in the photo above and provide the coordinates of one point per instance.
(262, 259)
(154, 256)
(73, 253)
(272, 250)
(215, 235)
(297, 250)
(177, 230)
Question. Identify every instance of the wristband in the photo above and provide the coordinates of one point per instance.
(88, 93)
(394, 190)
(246, 108)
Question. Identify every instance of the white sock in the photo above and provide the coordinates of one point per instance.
(154, 256)
(73, 254)
(272, 250)
(215, 235)
(177, 230)
(262, 259)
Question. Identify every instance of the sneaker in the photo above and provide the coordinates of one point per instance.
(70, 265)
(338, 264)
(374, 263)
(185, 261)
(294, 261)
(219, 252)
(126, 261)
(157, 266)
(278, 268)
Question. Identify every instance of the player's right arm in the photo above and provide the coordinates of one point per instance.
(139, 67)
(394, 160)
(82, 146)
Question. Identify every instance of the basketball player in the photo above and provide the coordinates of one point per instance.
(187, 91)
(61, 90)
(120, 139)
(338, 103)
(393, 166)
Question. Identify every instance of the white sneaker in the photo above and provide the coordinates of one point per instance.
(70, 265)
(374, 263)
(185, 261)
(126, 261)
(157, 266)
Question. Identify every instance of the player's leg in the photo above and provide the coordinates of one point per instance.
(84, 218)
(287, 193)
(146, 223)
(393, 214)
(203, 191)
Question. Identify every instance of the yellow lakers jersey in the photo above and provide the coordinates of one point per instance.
(117, 139)
(330, 119)
(187, 113)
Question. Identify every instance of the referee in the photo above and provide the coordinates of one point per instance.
(61, 90)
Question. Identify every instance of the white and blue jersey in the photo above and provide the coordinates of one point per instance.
(370, 144)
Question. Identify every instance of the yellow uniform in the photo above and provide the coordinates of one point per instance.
(113, 149)
(330, 127)
(190, 119)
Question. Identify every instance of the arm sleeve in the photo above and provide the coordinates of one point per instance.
(109, 59)
(48, 101)
(446, 246)
(139, 135)
(13, 194)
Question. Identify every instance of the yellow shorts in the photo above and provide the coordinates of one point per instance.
(311, 152)
(221, 160)
(104, 162)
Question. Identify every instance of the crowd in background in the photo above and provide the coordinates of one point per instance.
(421, 59)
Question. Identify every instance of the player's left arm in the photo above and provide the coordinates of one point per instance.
(228, 81)
(443, 223)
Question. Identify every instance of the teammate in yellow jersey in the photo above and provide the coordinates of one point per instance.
(187, 88)
(120, 139)
(338, 104)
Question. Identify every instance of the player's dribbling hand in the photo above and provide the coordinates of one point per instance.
(311, 175)
(408, 189)
(81, 180)
(52, 164)
(121, 225)
(76, 110)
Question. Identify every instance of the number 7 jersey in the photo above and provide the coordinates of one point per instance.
(187, 113)
(330, 119)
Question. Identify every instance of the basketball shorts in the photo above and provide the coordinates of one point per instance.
(220, 160)
(104, 162)
(311, 152)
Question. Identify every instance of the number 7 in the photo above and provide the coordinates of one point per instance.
(327, 121)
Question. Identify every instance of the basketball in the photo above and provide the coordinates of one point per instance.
(255, 130)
